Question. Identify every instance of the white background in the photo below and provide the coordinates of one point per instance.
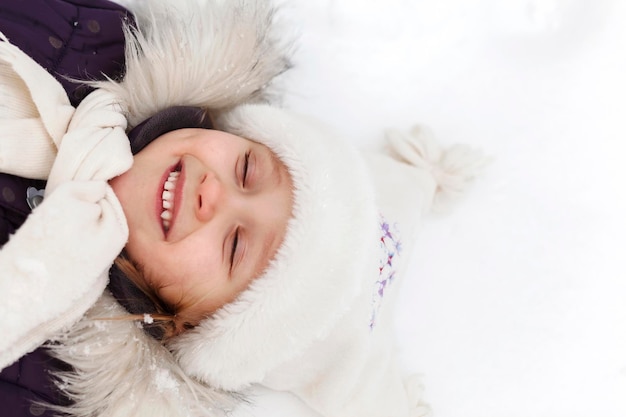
(515, 305)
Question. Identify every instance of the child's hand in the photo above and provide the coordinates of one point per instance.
(95, 146)
(59, 261)
(451, 169)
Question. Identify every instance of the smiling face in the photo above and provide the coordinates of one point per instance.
(206, 212)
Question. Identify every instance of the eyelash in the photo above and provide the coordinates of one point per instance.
(245, 168)
(234, 248)
(244, 176)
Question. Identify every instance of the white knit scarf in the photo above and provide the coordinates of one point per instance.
(55, 267)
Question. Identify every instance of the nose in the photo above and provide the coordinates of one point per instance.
(210, 197)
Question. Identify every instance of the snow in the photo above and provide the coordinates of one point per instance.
(514, 304)
(147, 318)
(164, 381)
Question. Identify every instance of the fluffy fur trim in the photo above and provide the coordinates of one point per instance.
(212, 54)
(330, 244)
(121, 371)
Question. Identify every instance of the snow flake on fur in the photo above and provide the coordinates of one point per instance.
(390, 246)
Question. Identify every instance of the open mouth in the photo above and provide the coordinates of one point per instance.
(168, 197)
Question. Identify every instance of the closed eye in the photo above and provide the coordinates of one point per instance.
(234, 249)
(245, 169)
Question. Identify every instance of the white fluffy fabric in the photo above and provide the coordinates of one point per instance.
(213, 54)
(123, 372)
(210, 54)
(330, 245)
(34, 109)
(59, 258)
(314, 323)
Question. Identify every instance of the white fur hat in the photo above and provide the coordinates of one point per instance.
(331, 242)
(231, 53)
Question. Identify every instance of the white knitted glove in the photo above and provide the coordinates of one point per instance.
(55, 267)
(452, 169)
(415, 391)
(95, 146)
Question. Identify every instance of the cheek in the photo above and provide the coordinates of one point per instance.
(121, 187)
(190, 290)
(183, 266)
(134, 193)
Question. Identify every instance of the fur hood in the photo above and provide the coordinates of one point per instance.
(207, 53)
(329, 254)
(120, 371)
(211, 54)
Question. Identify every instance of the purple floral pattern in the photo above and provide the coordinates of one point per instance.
(390, 246)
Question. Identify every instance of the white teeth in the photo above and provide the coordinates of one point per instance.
(168, 198)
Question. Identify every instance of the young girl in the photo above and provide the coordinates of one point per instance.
(55, 265)
(266, 251)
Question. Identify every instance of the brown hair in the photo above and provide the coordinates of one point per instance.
(168, 320)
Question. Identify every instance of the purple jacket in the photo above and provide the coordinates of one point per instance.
(80, 39)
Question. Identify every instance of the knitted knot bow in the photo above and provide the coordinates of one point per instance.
(55, 267)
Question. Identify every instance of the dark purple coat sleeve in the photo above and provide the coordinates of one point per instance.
(79, 39)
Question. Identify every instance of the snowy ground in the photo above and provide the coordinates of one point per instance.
(515, 306)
